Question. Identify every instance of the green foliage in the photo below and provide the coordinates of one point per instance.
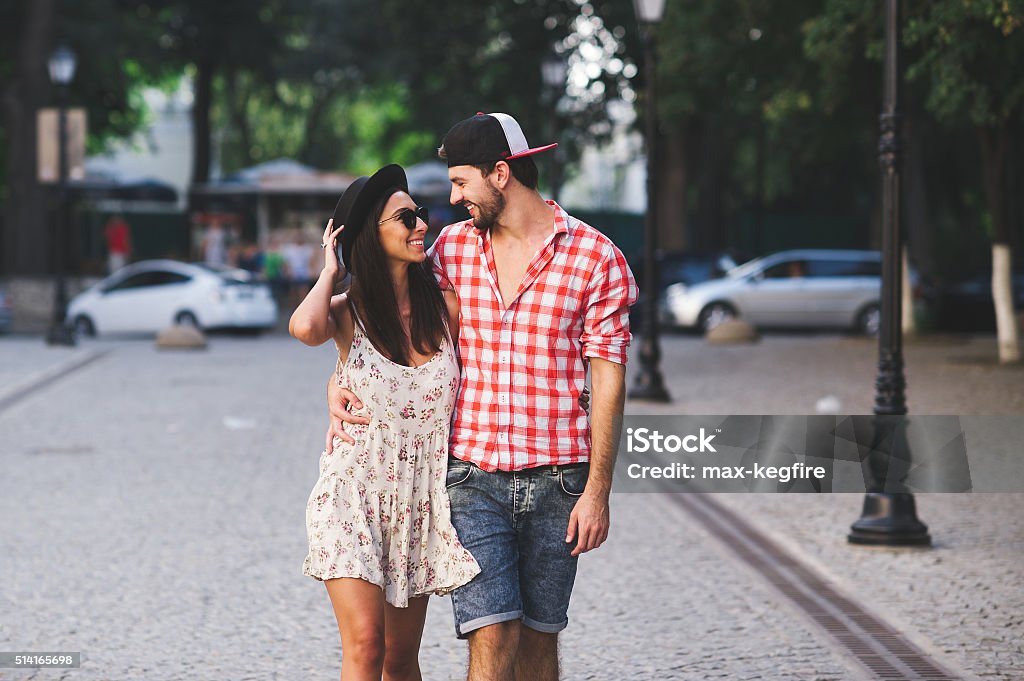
(971, 56)
(778, 82)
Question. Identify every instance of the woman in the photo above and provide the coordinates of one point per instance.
(378, 519)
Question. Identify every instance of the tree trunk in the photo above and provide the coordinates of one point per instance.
(710, 184)
(24, 242)
(239, 116)
(993, 156)
(918, 219)
(672, 188)
(321, 103)
(201, 121)
(907, 321)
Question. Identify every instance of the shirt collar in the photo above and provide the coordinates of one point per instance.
(561, 218)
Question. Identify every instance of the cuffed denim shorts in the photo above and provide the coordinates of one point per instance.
(514, 524)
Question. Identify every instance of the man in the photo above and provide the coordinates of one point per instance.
(542, 295)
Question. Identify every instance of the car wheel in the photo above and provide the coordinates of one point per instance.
(714, 314)
(187, 319)
(83, 327)
(869, 320)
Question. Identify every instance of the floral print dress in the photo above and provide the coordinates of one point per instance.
(380, 510)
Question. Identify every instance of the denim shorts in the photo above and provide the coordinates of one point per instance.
(514, 524)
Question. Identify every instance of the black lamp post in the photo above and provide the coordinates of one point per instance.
(649, 384)
(553, 70)
(62, 65)
(889, 516)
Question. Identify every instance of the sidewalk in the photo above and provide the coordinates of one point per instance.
(152, 517)
(961, 600)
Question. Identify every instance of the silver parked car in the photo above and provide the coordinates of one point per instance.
(805, 288)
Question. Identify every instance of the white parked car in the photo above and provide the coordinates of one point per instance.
(151, 295)
(805, 288)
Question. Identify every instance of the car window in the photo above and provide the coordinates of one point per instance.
(689, 272)
(151, 278)
(228, 275)
(844, 268)
(134, 281)
(787, 269)
(162, 278)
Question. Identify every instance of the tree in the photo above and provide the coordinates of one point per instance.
(747, 121)
(107, 84)
(221, 38)
(971, 56)
(360, 82)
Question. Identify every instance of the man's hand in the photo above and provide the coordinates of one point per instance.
(339, 402)
(590, 520)
(584, 400)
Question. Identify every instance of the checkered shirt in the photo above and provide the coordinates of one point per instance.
(524, 366)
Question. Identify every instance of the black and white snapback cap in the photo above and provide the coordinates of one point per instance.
(485, 138)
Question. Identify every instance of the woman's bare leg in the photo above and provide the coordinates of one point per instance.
(359, 608)
(403, 629)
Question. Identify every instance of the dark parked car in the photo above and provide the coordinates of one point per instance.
(678, 267)
(968, 306)
(6, 312)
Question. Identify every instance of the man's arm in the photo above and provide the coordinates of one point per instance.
(590, 518)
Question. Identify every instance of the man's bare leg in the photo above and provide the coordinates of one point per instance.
(537, 658)
(492, 651)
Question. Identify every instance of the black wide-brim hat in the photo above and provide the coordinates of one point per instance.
(356, 202)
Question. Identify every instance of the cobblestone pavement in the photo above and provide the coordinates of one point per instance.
(152, 516)
(961, 600)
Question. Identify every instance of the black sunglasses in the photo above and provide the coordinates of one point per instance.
(408, 217)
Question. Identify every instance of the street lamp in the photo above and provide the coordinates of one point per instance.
(889, 517)
(62, 66)
(553, 70)
(649, 384)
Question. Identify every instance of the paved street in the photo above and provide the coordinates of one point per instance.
(152, 516)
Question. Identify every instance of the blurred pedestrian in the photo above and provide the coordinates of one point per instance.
(275, 270)
(118, 236)
(298, 255)
(215, 245)
(251, 258)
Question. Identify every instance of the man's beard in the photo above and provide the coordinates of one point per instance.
(489, 210)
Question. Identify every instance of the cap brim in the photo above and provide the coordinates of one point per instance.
(530, 152)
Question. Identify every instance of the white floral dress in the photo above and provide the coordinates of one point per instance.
(380, 510)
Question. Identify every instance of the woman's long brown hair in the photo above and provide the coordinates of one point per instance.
(372, 294)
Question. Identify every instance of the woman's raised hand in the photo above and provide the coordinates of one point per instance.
(330, 245)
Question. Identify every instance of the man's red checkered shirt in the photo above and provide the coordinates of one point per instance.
(523, 366)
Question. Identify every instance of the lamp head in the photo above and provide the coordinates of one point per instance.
(62, 65)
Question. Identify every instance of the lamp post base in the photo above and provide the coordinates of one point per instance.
(60, 335)
(889, 520)
(649, 387)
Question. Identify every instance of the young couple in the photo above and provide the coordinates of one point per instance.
(489, 482)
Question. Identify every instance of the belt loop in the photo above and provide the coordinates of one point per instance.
(554, 470)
